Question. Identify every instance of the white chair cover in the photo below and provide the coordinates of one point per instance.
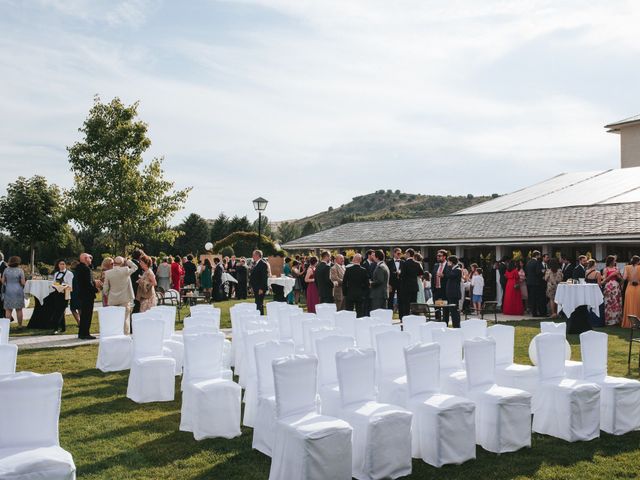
(503, 415)
(326, 349)
(509, 374)
(309, 325)
(210, 403)
(426, 330)
(473, 328)
(251, 388)
(248, 323)
(345, 321)
(391, 369)
(363, 333)
(239, 314)
(411, 324)
(564, 408)
(265, 423)
(443, 426)
(326, 311)
(5, 326)
(29, 445)
(284, 322)
(114, 348)
(167, 313)
(453, 377)
(573, 369)
(316, 334)
(297, 320)
(307, 446)
(200, 320)
(8, 357)
(619, 396)
(383, 314)
(151, 378)
(376, 330)
(381, 442)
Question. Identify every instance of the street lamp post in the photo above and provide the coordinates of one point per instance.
(260, 205)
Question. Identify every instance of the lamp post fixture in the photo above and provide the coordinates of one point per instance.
(260, 205)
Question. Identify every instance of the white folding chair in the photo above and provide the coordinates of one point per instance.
(345, 321)
(265, 423)
(453, 376)
(251, 386)
(8, 358)
(328, 390)
(572, 368)
(619, 396)
(381, 442)
(509, 374)
(5, 326)
(383, 314)
(473, 328)
(210, 403)
(426, 330)
(411, 324)
(309, 325)
(565, 408)
(114, 348)
(326, 311)
(376, 330)
(29, 444)
(391, 375)
(306, 445)
(443, 427)
(151, 378)
(296, 321)
(363, 332)
(503, 414)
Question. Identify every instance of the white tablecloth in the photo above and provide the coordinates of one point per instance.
(571, 296)
(38, 288)
(286, 282)
(227, 277)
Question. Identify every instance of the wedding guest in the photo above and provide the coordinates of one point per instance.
(477, 289)
(258, 279)
(439, 283)
(118, 287)
(524, 292)
(231, 270)
(107, 264)
(409, 282)
(61, 277)
(612, 292)
(631, 276)
(14, 281)
(74, 303)
(553, 276)
(189, 271)
(176, 272)
(336, 275)
(163, 274)
(298, 275)
(241, 276)
(135, 258)
(87, 289)
(567, 268)
(512, 299)
(426, 282)
(580, 269)
(206, 280)
(355, 286)
(454, 278)
(146, 293)
(592, 275)
(313, 297)
(537, 295)
(323, 280)
(379, 289)
(420, 297)
(287, 272)
(218, 270)
(395, 267)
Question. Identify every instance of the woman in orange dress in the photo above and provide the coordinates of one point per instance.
(632, 291)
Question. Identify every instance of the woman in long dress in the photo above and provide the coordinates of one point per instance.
(146, 293)
(206, 279)
(313, 298)
(612, 292)
(14, 282)
(163, 274)
(420, 297)
(632, 291)
(512, 301)
(524, 293)
(553, 276)
(592, 275)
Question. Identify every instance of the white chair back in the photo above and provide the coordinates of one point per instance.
(30, 410)
(313, 324)
(384, 314)
(5, 326)
(551, 352)
(266, 353)
(148, 334)
(480, 361)
(206, 308)
(199, 328)
(553, 327)
(167, 314)
(411, 324)
(326, 311)
(294, 380)
(363, 333)
(473, 328)
(284, 323)
(426, 330)
(200, 320)
(390, 353)
(273, 309)
(345, 321)
(297, 333)
(111, 321)
(376, 330)
(356, 375)
(203, 356)
(316, 334)
(251, 340)
(8, 357)
(504, 336)
(422, 361)
(326, 349)
(450, 341)
(593, 347)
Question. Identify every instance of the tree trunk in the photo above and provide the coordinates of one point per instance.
(33, 259)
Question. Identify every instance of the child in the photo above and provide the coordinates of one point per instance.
(477, 286)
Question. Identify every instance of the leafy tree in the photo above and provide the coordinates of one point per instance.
(239, 224)
(266, 228)
(309, 228)
(114, 192)
(194, 233)
(32, 211)
(219, 228)
(288, 231)
(244, 243)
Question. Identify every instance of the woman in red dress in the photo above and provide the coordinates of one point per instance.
(175, 273)
(512, 302)
(313, 297)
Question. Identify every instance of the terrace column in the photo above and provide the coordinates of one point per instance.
(547, 248)
(424, 251)
(599, 254)
(459, 251)
(499, 252)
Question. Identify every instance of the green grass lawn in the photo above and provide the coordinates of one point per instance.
(110, 437)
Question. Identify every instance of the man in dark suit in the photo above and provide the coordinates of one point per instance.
(439, 283)
(409, 283)
(580, 269)
(241, 276)
(231, 270)
(453, 291)
(567, 268)
(86, 290)
(537, 296)
(258, 279)
(323, 280)
(355, 286)
(395, 267)
(135, 276)
(3, 267)
(218, 270)
(379, 291)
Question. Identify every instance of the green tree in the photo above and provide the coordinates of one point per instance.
(309, 228)
(265, 227)
(194, 233)
(114, 192)
(288, 231)
(219, 228)
(239, 224)
(32, 211)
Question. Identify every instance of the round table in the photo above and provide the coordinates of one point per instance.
(42, 315)
(575, 299)
(286, 283)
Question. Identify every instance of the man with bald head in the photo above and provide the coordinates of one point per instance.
(86, 289)
(355, 286)
(118, 286)
(336, 275)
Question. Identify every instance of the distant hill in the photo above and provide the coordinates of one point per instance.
(386, 205)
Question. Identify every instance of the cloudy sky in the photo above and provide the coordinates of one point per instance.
(309, 103)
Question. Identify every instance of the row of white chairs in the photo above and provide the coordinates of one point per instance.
(8, 351)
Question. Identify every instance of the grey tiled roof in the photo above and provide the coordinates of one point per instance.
(588, 223)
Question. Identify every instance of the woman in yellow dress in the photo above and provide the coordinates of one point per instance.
(632, 291)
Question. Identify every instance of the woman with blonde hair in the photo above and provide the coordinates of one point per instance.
(631, 276)
(107, 264)
(146, 293)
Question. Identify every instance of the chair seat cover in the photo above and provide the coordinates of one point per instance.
(265, 425)
(573, 369)
(453, 382)
(619, 404)
(304, 443)
(152, 379)
(330, 403)
(175, 350)
(443, 429)
(44, 463)
(114, 353)
(211, 408)
(393, 391)
(381, 442)
(515, 375)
